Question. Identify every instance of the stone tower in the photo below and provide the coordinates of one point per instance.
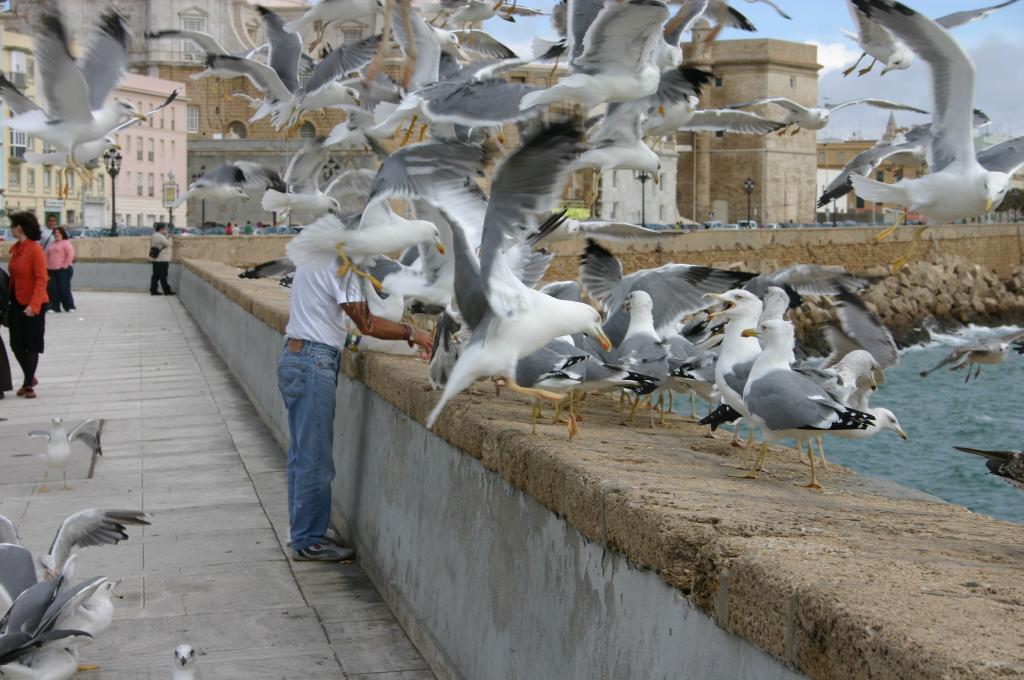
(713, 167)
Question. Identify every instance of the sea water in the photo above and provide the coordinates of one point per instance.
(941, 411)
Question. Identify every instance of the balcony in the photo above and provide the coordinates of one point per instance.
(18, 78)
(17, 154)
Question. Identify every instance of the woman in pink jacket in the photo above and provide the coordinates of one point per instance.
(60, 257)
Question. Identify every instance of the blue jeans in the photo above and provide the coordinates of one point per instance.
(308, 380)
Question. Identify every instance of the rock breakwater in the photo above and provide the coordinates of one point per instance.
(941, 293)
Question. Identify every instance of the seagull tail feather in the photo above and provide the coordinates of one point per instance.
(276, 201)
(317, 245)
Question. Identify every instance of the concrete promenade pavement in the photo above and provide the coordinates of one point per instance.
(183, 443)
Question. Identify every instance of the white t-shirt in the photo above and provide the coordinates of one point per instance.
(315, 312)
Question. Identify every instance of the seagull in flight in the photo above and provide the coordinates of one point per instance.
(77, 106)
(817, 117)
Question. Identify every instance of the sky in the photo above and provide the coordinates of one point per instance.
(993, 43)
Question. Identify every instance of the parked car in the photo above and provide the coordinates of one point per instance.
(183, 231)
(772, 225)
(6, 235)
(746, 224)
(714, 224)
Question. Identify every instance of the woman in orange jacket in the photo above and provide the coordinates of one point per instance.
(28, 298)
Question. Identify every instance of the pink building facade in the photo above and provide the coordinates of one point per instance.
(153, 153)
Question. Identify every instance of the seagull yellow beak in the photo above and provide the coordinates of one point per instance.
(751, 333)
(439, 246)
(903, 435)
(874, 384)
(988, 204)
(141, 117)
(602, 338)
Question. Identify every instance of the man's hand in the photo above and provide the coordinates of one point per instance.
(29, 312)
(425, 342)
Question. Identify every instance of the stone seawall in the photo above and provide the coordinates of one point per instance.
(238, 251)
(512, 555)
(960, 274)
(996, 247)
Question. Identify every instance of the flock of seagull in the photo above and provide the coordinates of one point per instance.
(475, 257)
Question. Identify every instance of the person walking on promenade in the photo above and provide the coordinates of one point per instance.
(307, 376)
(60, 257)
(160, 256)
(6, 385)
(28, 298)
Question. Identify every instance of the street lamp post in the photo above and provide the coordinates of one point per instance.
(643, 176)
(202, 202)
(748, 186)
(112, 159)
(331, 168)
(170, 208)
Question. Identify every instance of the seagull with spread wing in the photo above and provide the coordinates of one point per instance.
(879, 44)
(817, 117)
(277, 80)
(977, 354)
(612, 52)
(957, 186)
(509, 320)
(326, 12)
(59, 441)
(77, 106)
(231, 181)
(302, 179)
(86, 528)
(324, 89)
(432, 171)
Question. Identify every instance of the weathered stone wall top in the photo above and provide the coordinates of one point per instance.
(849, 583)
(996, 247)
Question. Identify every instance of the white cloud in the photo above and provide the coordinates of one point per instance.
(835, 55)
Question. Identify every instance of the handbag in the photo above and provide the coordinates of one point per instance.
(154, 252)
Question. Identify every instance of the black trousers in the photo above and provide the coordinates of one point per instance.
(60, 289)
(160, 270)
(5, 369)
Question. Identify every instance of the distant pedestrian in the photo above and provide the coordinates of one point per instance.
(28, 298)
(229, 230)
(46, 235)
(5, 365)
(247, 229)
(160, 256)
(60, 258)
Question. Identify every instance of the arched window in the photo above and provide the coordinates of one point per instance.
(307, 131)
(237, 129)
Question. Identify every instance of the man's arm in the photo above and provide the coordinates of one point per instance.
(376, 327)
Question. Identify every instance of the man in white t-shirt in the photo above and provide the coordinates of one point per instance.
(307, 375)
